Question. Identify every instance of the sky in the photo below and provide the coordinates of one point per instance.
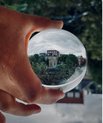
(56, 39)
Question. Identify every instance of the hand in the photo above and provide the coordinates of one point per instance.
(17, 79)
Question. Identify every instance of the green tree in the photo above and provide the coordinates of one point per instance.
(71, 60)
(62, 58)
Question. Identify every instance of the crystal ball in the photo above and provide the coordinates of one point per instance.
(58, 58)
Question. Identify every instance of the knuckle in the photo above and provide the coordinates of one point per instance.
(33, 94)
(6, 105)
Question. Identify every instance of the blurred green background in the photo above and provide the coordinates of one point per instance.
(81, 17)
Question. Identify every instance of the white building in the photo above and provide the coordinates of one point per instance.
(53, 57)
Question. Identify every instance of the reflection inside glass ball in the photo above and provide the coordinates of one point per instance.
(57, 57)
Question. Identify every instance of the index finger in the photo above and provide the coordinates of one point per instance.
(38, 23)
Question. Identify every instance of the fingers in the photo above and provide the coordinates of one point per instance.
(2, 118)
(24, 110)
(9, 105)
(49, 96)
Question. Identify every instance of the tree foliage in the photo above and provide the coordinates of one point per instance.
(64, 69)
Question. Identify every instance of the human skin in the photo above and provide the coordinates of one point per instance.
(17, 79)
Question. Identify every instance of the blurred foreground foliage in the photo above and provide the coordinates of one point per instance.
(81, 17)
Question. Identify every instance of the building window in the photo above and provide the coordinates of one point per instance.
(77, 95)
(70, 94)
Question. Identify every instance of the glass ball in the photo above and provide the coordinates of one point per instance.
(58, 58)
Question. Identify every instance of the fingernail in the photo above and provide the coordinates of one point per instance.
(59, 24)
(36, 108)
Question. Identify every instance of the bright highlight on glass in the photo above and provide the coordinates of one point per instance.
(58, 58)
